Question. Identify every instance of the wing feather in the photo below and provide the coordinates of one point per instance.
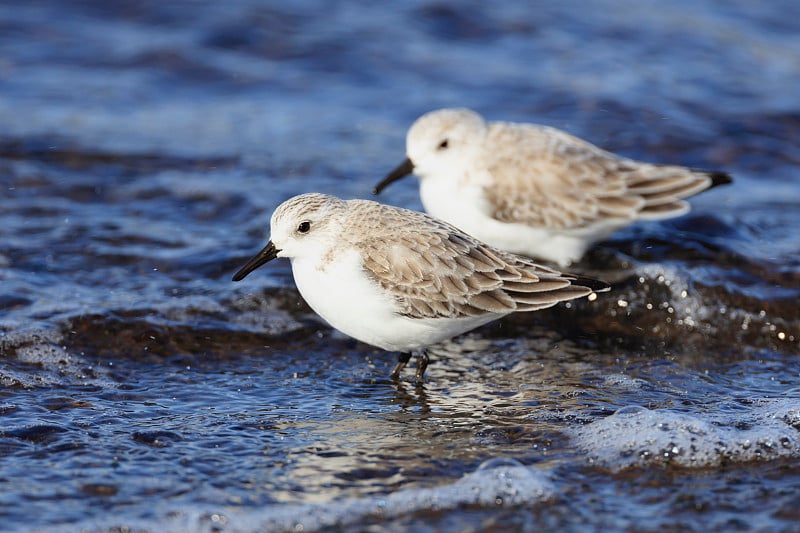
(433, 270)
(542, 176)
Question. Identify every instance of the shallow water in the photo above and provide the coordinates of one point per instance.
(143, 148)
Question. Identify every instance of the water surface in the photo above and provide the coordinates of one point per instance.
(143, 148)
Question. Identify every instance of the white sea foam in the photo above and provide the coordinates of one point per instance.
(763, 429)
(680, 300)
(38, 357)
(623, 381)
(497, 482)
(24, 336)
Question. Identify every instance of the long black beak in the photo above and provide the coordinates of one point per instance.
(405, 168)
(264, 256)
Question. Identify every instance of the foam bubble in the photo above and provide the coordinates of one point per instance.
(497, 482)
(623, 381)
(37, 357)
(40, 355)
(681, 300)
(636, 436)
(21, 336)
(45, 354)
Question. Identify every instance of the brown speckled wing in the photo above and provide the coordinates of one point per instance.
(435, 271)
(547, 178)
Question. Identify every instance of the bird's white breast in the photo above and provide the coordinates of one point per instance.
(454, 199)
(342, 293)
(463, 203)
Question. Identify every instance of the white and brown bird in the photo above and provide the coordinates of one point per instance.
(536, 190)
(402, 280)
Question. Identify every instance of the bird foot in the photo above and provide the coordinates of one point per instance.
(402, 361)
(422, 365)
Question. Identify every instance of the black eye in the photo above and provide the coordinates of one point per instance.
(304, 227)
(442, 145)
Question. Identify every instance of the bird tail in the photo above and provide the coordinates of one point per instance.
(717, 177)
(594, 284)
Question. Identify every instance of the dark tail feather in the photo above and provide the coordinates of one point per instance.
(595, 284)
(717, 177)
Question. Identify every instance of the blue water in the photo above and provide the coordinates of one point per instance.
(143, 147)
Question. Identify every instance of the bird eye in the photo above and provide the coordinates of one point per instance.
(442, 145)
(304, 226)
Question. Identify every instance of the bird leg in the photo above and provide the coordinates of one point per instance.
(422, 364)
(402, 361)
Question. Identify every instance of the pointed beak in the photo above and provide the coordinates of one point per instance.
(264, 256)
(406, 168)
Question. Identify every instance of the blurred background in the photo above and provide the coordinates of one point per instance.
(143, 146)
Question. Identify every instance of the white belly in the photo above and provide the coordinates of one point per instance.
(351, 302)
(465, 207)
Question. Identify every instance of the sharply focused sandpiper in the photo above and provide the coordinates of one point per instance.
(536, 190)
(402, 280)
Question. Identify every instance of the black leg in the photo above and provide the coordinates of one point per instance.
(422, 364)
(402, 361)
